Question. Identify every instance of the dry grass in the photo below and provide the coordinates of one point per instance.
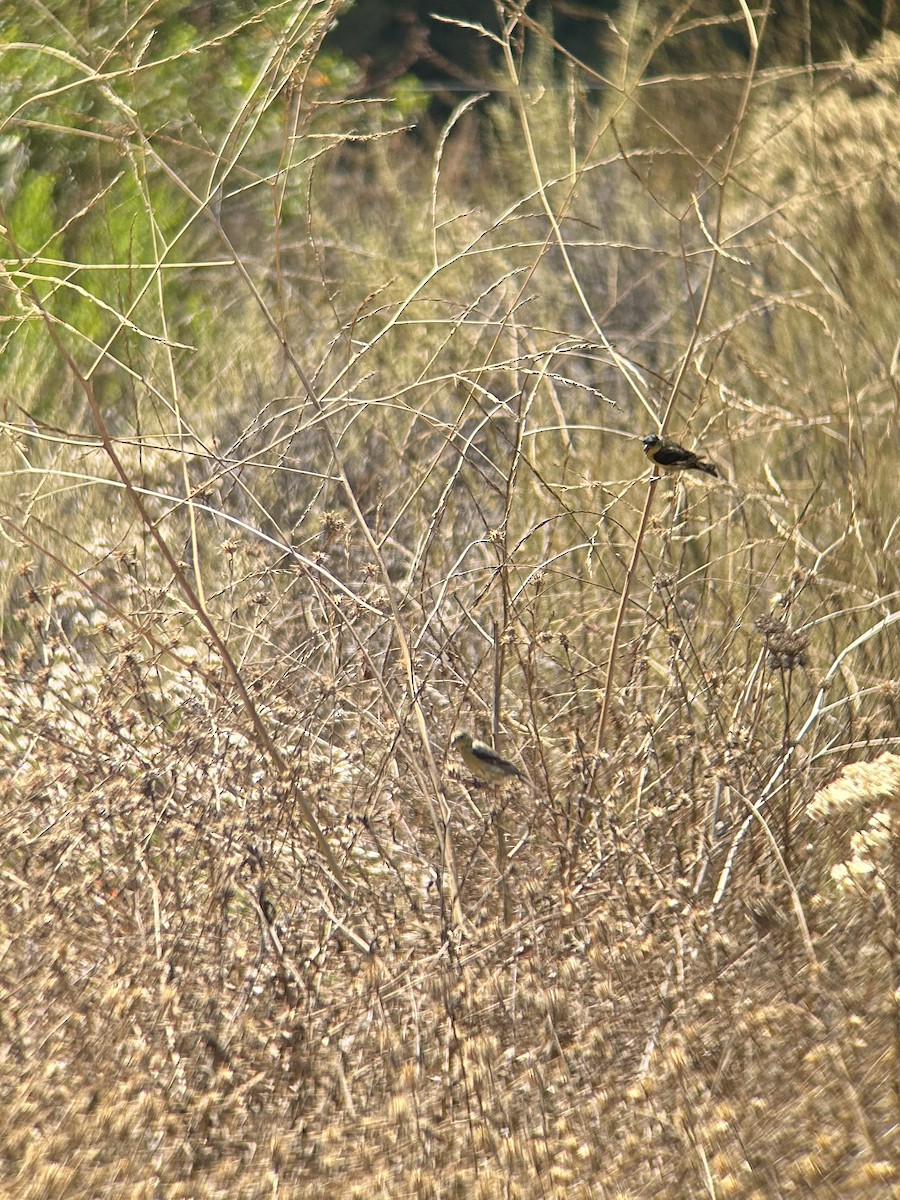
(259, 937)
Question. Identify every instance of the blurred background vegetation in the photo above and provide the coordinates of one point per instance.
(328, 333)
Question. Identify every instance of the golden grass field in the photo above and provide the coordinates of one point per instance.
(335, 453)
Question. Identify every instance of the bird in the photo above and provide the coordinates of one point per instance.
(484, 763)
(671, 457)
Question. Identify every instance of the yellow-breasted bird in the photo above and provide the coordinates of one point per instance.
(671, 457)
(484, 763)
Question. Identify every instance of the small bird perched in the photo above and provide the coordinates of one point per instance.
(484, 763)
(671, 457)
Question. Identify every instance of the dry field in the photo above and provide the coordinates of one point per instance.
(319, 444)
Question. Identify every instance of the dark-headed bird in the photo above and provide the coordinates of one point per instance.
(484, 763)
(669, 456)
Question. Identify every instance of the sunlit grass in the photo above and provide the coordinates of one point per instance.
(363, 471)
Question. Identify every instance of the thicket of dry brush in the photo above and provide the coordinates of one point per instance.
(260, 936)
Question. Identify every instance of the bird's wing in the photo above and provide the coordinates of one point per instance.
(674, 456)
(490, 756)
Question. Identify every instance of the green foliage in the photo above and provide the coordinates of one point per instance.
(112, 126)
(32, 216)
(409, 98)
